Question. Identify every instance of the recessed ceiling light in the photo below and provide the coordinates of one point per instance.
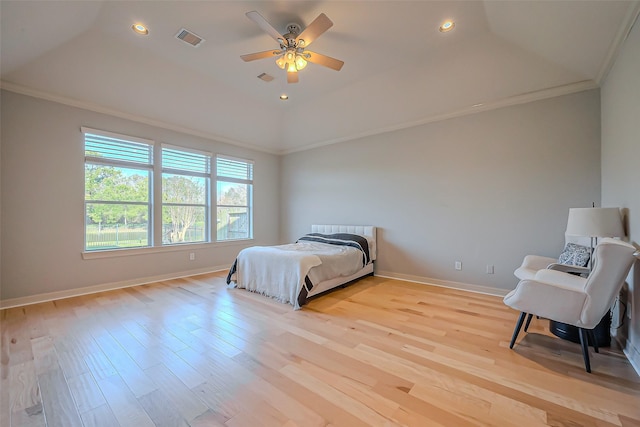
(447, 26)
(284, 97)
(140, 29)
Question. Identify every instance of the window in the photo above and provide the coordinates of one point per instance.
(185, 196)
(234, 198)
(143, 194)
(117, 185)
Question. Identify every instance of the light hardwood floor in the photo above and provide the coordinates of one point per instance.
(378, 353)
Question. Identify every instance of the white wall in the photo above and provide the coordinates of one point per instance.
(487, 188)
(42, 168)
(621, 167)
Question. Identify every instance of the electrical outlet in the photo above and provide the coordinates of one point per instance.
(489, 269)
(192, 256)
(458, 265)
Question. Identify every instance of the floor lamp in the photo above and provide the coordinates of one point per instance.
(594, 223)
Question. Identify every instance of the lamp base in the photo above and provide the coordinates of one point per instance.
(571, 333)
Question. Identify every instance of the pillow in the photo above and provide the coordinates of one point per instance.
(575, 255)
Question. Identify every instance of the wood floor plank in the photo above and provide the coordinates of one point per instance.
(161, 410)
(124, 405)
(72, 363)
(23, 387)
(338, 398)
(102, 416)
(85, 392)
(23, 400)
(135, 378)
(378, 352)
(59, 407)
(99, 365)
(187, 402)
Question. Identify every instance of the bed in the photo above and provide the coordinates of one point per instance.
(329, 256)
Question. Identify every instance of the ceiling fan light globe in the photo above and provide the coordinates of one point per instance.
(291, 67)
(281, 62)
(300, 62)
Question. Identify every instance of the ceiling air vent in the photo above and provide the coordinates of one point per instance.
(265, 77)
(189, 37)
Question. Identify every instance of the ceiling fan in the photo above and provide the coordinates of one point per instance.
(292, 54)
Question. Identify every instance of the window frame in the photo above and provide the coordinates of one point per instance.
(155, 201)
(102, 161)
(208, 191)
(249, 206)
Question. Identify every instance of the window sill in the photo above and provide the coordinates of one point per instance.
(113, 253)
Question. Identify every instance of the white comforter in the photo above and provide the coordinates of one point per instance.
(279, 271)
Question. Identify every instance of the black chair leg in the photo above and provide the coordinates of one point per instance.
(526, 325)
(516, 331)
(594, 341)
(584, 342)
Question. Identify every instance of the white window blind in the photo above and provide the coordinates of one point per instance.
(233, 170)
(180, 161)
(113, 149)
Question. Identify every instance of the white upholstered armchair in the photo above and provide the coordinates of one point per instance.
(573, 259)
(573, 299)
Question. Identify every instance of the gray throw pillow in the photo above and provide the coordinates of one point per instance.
(575, 255)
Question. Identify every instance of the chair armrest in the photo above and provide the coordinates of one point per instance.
(537, 262)
(562, 302)
(561, 280)
(565, 268)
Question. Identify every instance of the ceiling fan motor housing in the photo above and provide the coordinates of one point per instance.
(294, 29)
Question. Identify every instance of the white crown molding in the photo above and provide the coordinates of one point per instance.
(623, 32)
(485, 290)
(51, 296)
(35, 93)
(478, 108)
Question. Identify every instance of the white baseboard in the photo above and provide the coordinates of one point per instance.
(487, 290)
(51, 296)
(629, 350)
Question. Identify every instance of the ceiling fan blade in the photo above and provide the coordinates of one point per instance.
(260, 55)
(264, 25)
(292, 77)
(315, 29)
(327, 61)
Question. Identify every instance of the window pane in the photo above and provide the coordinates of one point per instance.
(116, 225)
(183, 224)
(184, 189)
(232, 194)
(118, 184)
(233, 223)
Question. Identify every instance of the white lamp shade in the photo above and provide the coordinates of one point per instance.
(595, 222)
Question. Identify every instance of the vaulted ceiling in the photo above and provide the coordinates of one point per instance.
(399, 68)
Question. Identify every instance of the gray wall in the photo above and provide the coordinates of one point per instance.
(621, 168)
(487, 188)
(43, 201)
